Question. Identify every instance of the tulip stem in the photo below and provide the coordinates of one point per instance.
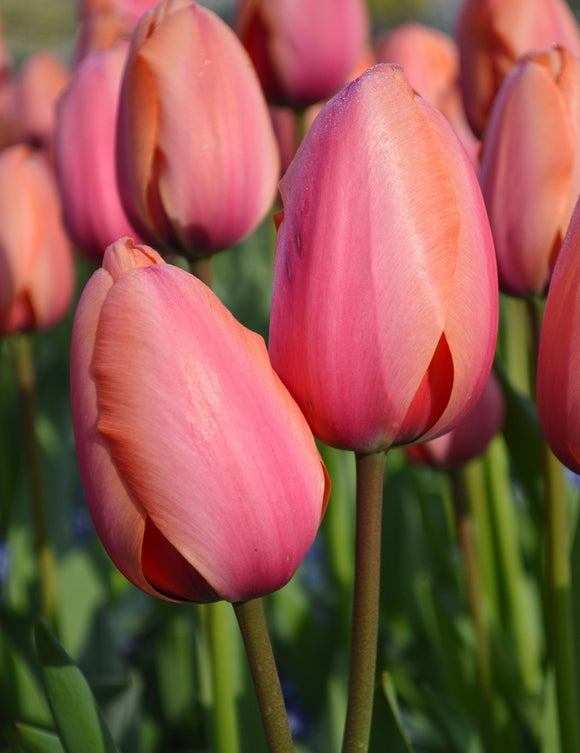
(224, 708)
(201, 268)
(252, 622)
(463, 522)
(44, 554)
(365, 616)
(560, 622)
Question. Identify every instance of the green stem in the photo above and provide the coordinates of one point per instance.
(510, 565)
(201, 268)
(224, 706)
(252, 622)
(472, 583)
(365, 616)
(559, 586)
(44, 552)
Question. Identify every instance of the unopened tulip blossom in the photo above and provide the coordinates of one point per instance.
(197, 156)
(470, 437)
(430, 60)
(530, 167)
(558, 386)
(303, 51)
(36, 264)
(384, 306)
(201, 474)
(37, 88)
(85, 152)
(493, 34)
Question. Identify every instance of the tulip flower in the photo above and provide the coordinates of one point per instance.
(493, 34)
(530, 167)
(36, 266)
(39, 84)
(197, 156)
(558, 389)
(105, 22)
(201, 474)
(470, 437)
(384, 305)
(303, 51)
(430, 60)
(85, 152)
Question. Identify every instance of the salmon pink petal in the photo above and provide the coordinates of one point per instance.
(203, 433)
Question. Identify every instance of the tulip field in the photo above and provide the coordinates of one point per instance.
(289, 376)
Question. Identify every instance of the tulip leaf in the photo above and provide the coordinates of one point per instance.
(398, 740)
(75, 712)
(36, 740)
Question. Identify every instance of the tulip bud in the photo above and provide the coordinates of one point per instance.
(201, 474)
(36, 266)
(493, 34)
(384, 305)
(430, 60)
(558, 388)
(530, 167)
(470, 437)
(196, 154)
(85, 152)
(39, 84)
(303, 51)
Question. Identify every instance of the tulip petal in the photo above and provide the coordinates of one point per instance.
(369, 203)
(119, 522)
(204, 434)
(530, 118)
(559, 355)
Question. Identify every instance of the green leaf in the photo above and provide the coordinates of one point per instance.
(36, 740)
(390, 734)
(75, 712)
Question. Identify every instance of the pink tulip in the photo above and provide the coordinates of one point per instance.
(493, 34)
(85, 152)
(197, 157)
(201, 474)
(558, 388)
(303, 51)
(430, 60)
(105, 22)
(36, 267)
(384, 307)
(530, 168)
(37, 87)
(470, 437)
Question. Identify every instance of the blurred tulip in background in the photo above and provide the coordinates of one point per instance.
(197, 157)
(530, 168)
(304, 52)
(493, 34)
(384, 306)
(36, 264)
(36, 89)
(85, 152)
(430, 59)
(201, 474)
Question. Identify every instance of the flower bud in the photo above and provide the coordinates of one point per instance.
(201, 474)
(530, 167)
(558, 388)
(36, 265)
(85, 152)
(493, 34)
(197, 160)
(384, 305)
